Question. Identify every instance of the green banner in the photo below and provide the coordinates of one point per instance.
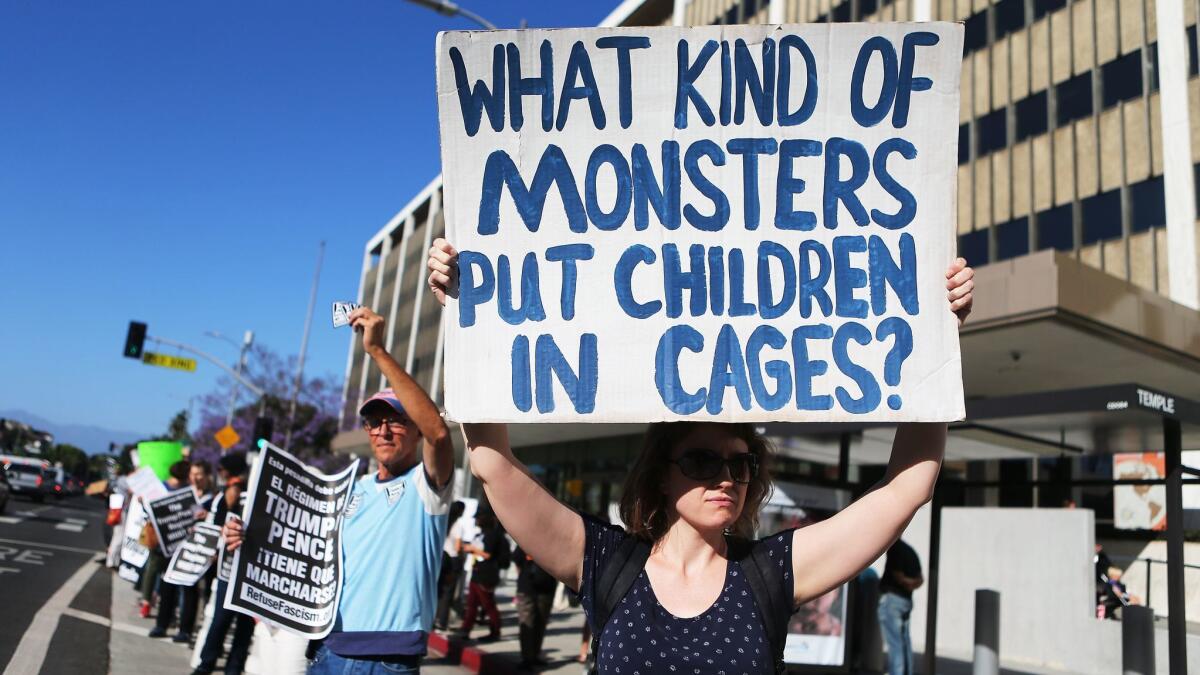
(159, 455)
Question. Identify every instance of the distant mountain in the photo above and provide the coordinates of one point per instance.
(94, 440)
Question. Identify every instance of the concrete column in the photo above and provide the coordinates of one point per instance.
(362, 282)
(1177, 155)
(435, 207)
(678, 11)
(391, 320)
(922, 10)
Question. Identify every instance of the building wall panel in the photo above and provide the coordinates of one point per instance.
(1018, 48)
(983, 193)
(1039, 55)
(1000, 76)
(1107, 41)
(1042, 192)
(1083, 46)
(965, 203)
(1141, 259)
(1021, 180)
(1064, 166)
(1131, 25)
(1060, 45)
(1110, 149)
(1137, 151)
(1086, 170)
(1001, 187)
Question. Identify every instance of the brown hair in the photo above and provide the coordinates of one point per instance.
(644, 507)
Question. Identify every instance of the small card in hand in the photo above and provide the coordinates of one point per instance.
(341, 313)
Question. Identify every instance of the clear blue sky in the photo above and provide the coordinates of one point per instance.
(178, 162)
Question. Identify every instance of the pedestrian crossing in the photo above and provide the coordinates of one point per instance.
(65, 524)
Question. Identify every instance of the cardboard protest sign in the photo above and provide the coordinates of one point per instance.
(133, 554)
(736, 223)
(172, 516)
(288, 570)
(224, 557)
(193, 557)
(145, 483)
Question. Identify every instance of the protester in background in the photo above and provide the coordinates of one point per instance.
(535, 596)
(393, 529)
(222, 618)
(452, 565)
(901, 576)
(492, 554)
(691, 484)
(185, 597)
(177, 477)
(119, 495)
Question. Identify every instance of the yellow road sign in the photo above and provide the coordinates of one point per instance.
(168, 361)
(227, 437)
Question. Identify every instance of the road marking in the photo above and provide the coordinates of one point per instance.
(31, 652)
(10, 520)
(75, 521)
(105, 621)
(37, 544)
(69, 527)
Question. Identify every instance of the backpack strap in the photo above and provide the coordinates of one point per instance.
(617, 577)
(770, 596)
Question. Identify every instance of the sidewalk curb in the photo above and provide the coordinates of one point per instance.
(472, 658)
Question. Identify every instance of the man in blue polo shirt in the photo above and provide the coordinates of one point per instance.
(394, 526)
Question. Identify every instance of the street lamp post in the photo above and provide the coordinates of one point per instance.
(449, 8)
(247, 340)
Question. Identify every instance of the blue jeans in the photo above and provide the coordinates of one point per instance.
(326, 662)
(894, 612)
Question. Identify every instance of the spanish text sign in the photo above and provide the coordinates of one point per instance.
(288, 570)
(725, 222)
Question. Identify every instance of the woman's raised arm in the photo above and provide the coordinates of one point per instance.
(543, 527)
(829, 553)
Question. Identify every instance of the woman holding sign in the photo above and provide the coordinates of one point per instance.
(686, 586)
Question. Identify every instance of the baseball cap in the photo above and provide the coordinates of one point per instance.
(385, 396)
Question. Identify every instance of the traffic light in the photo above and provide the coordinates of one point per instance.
(263, 428)
(135, 339)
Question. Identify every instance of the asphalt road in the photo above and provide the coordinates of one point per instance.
(50, 580)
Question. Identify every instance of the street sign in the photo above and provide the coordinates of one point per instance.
(227, 437)
(168, 361)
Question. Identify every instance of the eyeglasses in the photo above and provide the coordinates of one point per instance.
(704, 464)
(376, 424)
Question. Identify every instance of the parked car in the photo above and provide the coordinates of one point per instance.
(5, 490)
(28, 480)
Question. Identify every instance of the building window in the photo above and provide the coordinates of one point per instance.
(1010, 17)
(841, 13)
(1074, 98)
(1043, 7)
(991, 132)
(974, 247)
(964, 143)
(1149, 205)
(865, 7)
(1101, 217)
(1122, 79)
(1054, 229)
(976, 33)
(1031, 116)
(1012, 238)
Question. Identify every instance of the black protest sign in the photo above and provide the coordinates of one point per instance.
(288, 570)
(173, 516)
(193, 558)
(225, 557)
(133, 554)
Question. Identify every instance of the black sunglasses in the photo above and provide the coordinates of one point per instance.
(704, 464)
